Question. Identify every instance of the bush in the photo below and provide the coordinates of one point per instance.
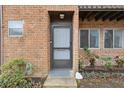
(90, 56)
(108, 61)
(13, 74)
(119, 61)
(108, 65)
(106, 58)
(89, 75)
(81, 65)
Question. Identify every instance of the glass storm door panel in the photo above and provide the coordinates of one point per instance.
(62, 37)
(61, 47)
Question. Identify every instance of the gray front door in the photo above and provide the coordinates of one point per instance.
(61, 47)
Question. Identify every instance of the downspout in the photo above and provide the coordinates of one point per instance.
(1, 35)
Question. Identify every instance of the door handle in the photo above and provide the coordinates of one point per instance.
(51, 41)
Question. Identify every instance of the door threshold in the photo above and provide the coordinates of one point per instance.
(61, 73)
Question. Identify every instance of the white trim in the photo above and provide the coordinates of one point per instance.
(99, 45)
(18, 36)
(122, 39)
(113, 37)
(113, 29)
(88, 38)
(98, 29)
(15, 36)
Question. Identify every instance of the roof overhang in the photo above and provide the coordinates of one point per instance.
(101, 8)
(101, 12)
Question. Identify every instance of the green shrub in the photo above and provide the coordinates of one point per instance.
(89, 75)
(106, 58)
(119, 60)
(81, 65)
(108, 61)
(90, 56)
(13, 74)
(13, 65)
(108, 65)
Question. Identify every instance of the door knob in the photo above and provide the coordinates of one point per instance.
(51, 41)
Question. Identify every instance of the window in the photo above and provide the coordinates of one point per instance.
(94, 39)
(114, 38)
(118, 39)
(15, 28)
(108, 39)
(89, 38)
(84, 38)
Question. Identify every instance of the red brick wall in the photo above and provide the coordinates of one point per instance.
(34, 46)
(102, 25)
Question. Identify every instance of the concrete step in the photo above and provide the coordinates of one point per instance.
(60, 83)
(60, 78)
(61, 73)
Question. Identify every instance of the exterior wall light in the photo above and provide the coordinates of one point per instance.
(61, 16)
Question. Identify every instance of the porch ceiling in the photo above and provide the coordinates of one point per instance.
(101, 12)
(101, 15)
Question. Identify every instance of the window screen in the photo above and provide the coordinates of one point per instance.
(15, 28)
(89, 38)
(118, 39)
(94, 39)
(84, 39)
(108, 42)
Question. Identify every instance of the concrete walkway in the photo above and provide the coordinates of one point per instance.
(60, 78)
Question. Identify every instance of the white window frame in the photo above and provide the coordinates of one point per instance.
(89, 29)
(16, 35)
(113, 29)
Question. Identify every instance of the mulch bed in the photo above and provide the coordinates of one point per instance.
(99, 82)
(102, 83)
(36, 82)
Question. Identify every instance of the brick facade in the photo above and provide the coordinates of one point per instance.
(103, 25)
(34, 46)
